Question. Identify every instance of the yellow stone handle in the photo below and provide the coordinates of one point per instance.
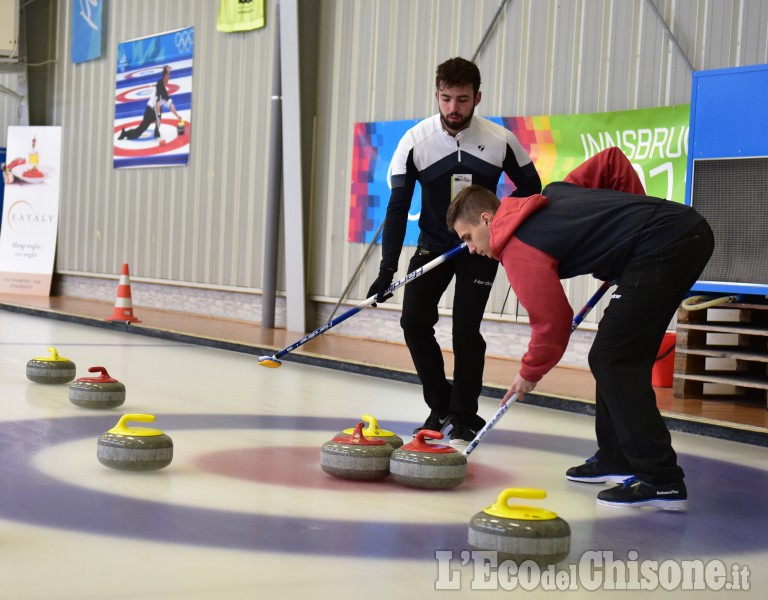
(373, 425)
(54, 357)
(372, 429)
(502, 508)
(122, 429)
(528, 493)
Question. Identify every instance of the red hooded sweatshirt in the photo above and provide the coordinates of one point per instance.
(535, 273)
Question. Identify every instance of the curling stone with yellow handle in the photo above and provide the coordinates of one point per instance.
(520, 533)
(97, 392)
(355, 457)
(51, 369)
(424, 465)
(373, 432)
(134, 448)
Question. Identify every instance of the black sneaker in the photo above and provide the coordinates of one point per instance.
(434, 422)
(122, 134)
(462, 434)
(594, 472)
(635, 493)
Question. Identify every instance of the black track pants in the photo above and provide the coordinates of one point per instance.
(474, 277)
(149, 118)
(630, 431)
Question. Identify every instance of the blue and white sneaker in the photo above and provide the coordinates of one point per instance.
(593, 471)
(635, 493)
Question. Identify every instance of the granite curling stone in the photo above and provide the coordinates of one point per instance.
(374, 432)
(424, 465)
(134, 448)
(520, 533)
(355, 457)
(51, 369)
(97, 392)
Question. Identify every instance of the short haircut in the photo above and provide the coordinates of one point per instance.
(457, 71)
(166, 69)
(470, 203)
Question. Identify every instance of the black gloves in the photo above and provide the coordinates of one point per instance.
(383, 281)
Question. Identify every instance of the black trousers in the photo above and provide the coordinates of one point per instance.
(149, 117)
(630, 431)
(474, 277)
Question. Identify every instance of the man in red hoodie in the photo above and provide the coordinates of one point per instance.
(599, 221)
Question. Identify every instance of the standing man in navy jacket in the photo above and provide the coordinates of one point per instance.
(446, 153)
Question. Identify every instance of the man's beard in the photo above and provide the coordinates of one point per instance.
(456, 125)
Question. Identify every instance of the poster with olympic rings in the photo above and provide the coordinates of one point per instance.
(153, 100)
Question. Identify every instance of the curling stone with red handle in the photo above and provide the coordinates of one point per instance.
(50, 369)
(134, 448)
(424, 465)
(97, 392)
(520, 533)
(374, 432)
(355, 457)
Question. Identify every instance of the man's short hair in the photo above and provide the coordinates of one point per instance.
(166, 69)
(457, 71)
(470, 203)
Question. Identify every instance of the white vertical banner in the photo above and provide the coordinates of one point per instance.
(30, 210)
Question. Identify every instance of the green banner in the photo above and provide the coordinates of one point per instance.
(655, 140)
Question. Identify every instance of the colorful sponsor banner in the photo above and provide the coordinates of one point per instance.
(143, 135)
(654, 139)
(30, 210)
(86, 30)
(240, 15)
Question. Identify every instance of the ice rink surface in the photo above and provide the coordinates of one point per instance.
(244, 510)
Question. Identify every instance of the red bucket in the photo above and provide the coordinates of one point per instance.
(664, 367)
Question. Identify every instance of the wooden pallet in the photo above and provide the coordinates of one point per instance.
(747, 349)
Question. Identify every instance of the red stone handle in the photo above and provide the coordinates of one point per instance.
(102, 378)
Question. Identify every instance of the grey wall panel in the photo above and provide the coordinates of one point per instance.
(718, 34)
(591, 72)
(11, 108)
(544, 57)
(537, 57)
(566, 36)
(619, 44)
(753, 33)
(199, 224)
(204, 224)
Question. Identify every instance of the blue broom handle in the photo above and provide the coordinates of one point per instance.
(590, 304)
(367, 302)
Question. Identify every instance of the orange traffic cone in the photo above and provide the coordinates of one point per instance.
(123, 305)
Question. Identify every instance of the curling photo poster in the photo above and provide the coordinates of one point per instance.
(153, 100)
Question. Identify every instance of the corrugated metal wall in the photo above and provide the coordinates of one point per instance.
(12, 111)
(544, 57)
(202, 224)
